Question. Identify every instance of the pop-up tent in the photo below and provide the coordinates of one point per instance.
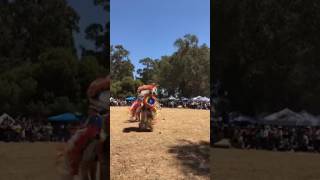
(66, 117)
(287, 117)
(204, 99)
(308, 120)
(184, 99)
(196, 98)
(5, 116)
(171, 98)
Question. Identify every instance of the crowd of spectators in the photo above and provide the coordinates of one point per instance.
(119, 102)
(186, 104)
(272, 137)
(168, 104)
(27, 129)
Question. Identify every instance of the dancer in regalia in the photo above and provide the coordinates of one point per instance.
(142, 92)
(88, 145)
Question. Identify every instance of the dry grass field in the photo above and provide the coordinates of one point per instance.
(234, 164)
(177, 149)
(28, 161)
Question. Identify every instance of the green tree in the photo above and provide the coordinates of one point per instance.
(57, 73)
(99, 35)
(184, 73)
(88, 70)
(186, 68)
(265, 54)
(120, 63)
(28, 28)
(146, 75)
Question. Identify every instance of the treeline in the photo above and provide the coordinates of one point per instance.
(185, 73)
(266, 55)
(40, 72)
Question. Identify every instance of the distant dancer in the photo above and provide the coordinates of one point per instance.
(142, 92)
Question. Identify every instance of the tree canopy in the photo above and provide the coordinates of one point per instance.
(266, 54)
(185, 73)
(40, 73)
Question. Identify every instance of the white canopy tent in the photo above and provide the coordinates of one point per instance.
(309, 120)
(5, 116)
(242, 118)
(204, 99)
(171, 98)
(196, 98)
(286, 117)
(184, 99)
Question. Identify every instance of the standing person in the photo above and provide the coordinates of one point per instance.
(265, 138)
(317, 139)
(89, 145)
(2, 129)
(18, 130)
(286, 139)
(63, 133)
(98, 94)
(50, 131)
(259, 134)
(28, 131)
(306, 141)
(142, 92)
(23, 133)
(280, 138)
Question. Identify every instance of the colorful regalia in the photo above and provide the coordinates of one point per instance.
(95, 129)
(146, 93)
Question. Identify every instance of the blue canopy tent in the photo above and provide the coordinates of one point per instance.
(66, 117)
(131, 98)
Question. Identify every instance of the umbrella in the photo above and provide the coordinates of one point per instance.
(64, 117)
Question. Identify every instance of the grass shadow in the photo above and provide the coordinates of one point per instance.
(131, 121)
(194, 157)
(133, 129)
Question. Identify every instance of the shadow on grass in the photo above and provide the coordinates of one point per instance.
(133, 129)
(131, 121)
(194, 157)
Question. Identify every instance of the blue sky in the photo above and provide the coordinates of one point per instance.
(148, 28)
(89, 13)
